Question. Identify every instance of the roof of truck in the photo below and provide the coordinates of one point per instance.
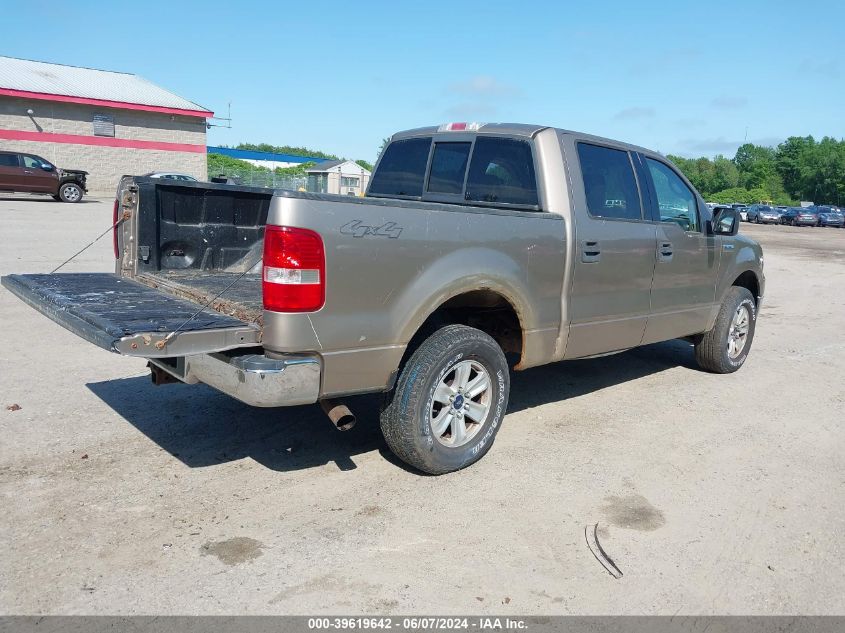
(510, 129)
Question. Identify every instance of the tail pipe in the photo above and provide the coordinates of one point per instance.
(340, 415)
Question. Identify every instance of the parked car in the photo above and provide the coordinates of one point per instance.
(473, 241)
(29, 173)
(742, 209)
(798, 216)
(830, 216)
(171, 175)
(763, 214)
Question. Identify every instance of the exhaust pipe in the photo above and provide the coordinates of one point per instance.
(340, 415)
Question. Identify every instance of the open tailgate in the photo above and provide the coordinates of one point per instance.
(126, 317)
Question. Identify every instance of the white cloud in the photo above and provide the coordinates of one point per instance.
(482, 86)
(636, 112)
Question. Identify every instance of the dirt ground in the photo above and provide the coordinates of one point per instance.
(713, 494)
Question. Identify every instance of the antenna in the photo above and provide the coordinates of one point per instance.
(227, 119)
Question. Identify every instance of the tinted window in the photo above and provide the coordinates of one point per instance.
(675, 200)
(502, 170)
(448, 167)
(402, 168)
(609, 183)
(9, 160)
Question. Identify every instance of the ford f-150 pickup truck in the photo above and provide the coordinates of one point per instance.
(477, 246)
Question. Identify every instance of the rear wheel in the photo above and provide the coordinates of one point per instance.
(724, 349)
(449, 401)
(70, 192)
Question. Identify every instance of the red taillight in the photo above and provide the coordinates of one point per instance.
(294, 276)
(114, 230)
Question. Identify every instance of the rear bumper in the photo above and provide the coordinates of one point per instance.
(251, 378)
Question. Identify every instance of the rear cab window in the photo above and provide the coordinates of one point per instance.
(478, 170)
(448, 167)
(502, 171)
(401, 171)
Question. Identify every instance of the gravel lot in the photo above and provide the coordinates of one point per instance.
(714, 494)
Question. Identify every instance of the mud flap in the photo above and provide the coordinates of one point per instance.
(123, 316)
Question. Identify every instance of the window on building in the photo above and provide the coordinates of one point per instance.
(347, 181)
(103, 125)
(609, 183)
(401, 170)
(675, 200)
(502, 170)
(448, 167)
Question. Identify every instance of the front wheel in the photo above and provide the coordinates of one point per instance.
(449, 401)
(724, 349)
(70, 192)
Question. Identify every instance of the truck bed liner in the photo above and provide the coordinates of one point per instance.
(242, 301)
(124, 316)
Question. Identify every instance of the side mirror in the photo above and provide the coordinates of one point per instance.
(46, 167)
(725, 221)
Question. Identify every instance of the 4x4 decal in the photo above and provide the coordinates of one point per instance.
(356, 228)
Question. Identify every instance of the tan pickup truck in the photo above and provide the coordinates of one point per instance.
(477, 247)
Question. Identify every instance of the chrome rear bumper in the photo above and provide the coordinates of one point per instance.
(251, 378)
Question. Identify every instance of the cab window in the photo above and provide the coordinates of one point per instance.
(448, 167)
(9, 160)
(609, 183)
(676, 201)
(401, 170)
(30, 162)
(502, 171)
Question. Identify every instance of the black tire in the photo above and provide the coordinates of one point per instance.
(406, 410)
(711, 351)
(70, 192)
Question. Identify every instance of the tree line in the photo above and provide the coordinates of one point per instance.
(800, 168)
(219, 164)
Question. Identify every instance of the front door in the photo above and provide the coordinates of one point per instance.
(613, 266)
(684, 287)
(36, 178)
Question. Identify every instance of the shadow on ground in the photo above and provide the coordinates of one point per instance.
(47, 198)
(202, 427)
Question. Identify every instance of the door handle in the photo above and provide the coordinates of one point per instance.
(664, 251)
(27, 171)
(590, 251)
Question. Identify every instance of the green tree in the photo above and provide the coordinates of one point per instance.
(286, 149)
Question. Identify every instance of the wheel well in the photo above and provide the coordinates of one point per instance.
(749, 281)
(484, 310)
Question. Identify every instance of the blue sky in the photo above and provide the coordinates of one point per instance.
(686, 78)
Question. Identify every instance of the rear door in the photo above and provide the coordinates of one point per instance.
(11, 172)
(609, 302)
(684, 287)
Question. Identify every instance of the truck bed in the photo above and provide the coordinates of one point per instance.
(242, 300)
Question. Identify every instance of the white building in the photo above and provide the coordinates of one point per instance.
(345, 177)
